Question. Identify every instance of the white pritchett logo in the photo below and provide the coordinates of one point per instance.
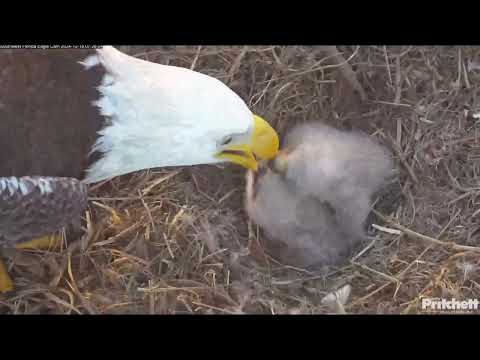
(453, 304)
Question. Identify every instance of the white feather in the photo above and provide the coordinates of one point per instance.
(12, 185)
(161, 116)
(44, 186)
(336, 300)
(90, 62)
(22, 186)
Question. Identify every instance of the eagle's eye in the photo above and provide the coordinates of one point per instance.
(227, 140)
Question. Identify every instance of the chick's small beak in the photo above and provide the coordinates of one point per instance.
(264, 145)
(280, 163)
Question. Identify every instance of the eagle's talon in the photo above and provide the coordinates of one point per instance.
(6, 282)
(49, 242)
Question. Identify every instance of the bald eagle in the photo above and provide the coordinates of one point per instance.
(69, 118)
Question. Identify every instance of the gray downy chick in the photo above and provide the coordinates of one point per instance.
(344, 168)
(316, 199)
(300, 230)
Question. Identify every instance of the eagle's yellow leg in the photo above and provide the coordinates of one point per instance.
(45, 242)
(6, 283)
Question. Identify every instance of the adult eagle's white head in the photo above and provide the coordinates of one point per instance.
(163, 115)
(149, 115)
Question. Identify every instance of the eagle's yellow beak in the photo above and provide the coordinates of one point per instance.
(264, 146)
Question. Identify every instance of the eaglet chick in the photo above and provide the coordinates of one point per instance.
(313, 199)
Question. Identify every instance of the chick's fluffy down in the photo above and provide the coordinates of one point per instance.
(343, 168)
(301, 230)
(316, 208)
(322, 159)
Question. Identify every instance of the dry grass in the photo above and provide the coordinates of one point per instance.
(180, 241)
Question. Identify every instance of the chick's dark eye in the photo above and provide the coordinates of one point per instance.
(227, 140)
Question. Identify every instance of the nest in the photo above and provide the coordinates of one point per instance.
(177, 240)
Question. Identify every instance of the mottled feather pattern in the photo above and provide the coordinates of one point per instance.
(36, 206)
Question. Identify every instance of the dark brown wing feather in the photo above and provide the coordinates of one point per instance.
(31, 207)
(47, 121)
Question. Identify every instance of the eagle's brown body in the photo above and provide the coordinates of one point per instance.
(48, 125)
(47, 121)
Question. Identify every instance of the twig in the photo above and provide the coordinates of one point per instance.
(346, 70)
(455, 182)
(194, 62)
(365, 267)
(385, 54)
(363, 251)
(414, 234)
(465, 75)
(362, 299)
(390, 103)
(114, 238)
(237, 63)
(405, 164)
(398, 81)
(386, 230)
(125, 198)
(149, 213)
(74, 286)
(159, 181)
